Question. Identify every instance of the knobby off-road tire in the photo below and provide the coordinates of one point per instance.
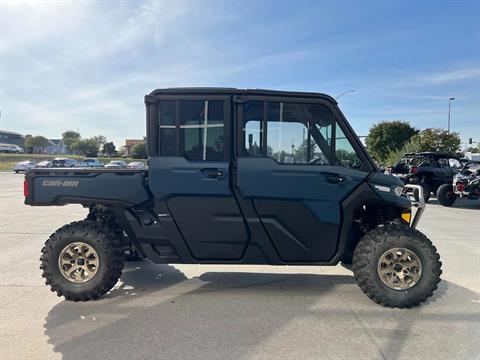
(380, 241)
(445, 195)
(101, 241)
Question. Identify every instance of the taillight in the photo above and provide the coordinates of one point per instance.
(26, 192)
(413, 170)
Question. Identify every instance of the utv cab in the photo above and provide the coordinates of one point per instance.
(240, 177)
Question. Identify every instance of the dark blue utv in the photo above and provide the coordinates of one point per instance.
(240, 177)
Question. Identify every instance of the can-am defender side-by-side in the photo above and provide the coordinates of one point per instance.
(466, 184)
(240, 177)
(427, 169)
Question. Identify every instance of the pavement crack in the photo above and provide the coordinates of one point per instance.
(360, 322)
(18, 297)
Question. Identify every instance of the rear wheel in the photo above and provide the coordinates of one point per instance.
(445, 195)
(82, 261)
(396, 266)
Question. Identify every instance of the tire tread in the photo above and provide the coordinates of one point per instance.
(104, 237)
(365, 252)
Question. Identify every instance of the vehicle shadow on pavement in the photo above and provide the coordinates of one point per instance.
(157, 312)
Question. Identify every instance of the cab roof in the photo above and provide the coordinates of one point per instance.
(431, 153)
(235, 91)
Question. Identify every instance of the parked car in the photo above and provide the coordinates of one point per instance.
(236, 198)
(44, 164)
(92, 162)
(11, 148)
(136, 165)
(24, 165)
(466, 184)
(428, 169)
(65, 163)
(116, 164)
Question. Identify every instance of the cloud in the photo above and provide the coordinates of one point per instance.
(452, 75)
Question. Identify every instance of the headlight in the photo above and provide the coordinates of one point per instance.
(397, 190)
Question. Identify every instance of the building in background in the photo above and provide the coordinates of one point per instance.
(129, 144)
(55, 146)
(12, 138)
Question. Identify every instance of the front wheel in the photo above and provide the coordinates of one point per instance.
(82, 261)
(445, 195)
(396, 266)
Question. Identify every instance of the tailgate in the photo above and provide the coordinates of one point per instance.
(85, 186)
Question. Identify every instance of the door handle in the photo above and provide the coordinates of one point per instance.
(212, 173)
(335, 178)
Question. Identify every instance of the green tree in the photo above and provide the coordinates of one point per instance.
(69, 137)
(70, 134)
(139, 151)
(100, 140)
(388, 136)
(439, 140)
(109, 149)
(474, 150)
(411, 146)
(302, 151)
(34, 142)
(86, 147)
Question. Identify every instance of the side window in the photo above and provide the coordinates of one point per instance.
(192, 128)
(455, 163)
(443, 163)
(344, 151)
(167, 129)
(296, 133)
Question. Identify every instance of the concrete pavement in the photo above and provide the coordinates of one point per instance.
(232, 312)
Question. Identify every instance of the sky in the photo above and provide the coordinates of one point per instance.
(87, 65)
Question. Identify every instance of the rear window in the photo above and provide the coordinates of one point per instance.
(193, 129)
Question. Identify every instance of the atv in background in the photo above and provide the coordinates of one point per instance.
(428, 169)
(465, 184)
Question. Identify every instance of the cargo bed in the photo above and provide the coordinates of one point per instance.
(87, 186)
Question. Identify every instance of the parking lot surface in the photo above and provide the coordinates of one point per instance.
(232, 312)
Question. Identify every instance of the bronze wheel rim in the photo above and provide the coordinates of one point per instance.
(399, 269)
(78, 262)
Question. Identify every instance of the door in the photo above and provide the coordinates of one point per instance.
(191, 174)
(297, 164)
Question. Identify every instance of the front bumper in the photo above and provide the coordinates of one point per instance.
(414, 193)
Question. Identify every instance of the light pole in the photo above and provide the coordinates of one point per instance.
(343, 93)
(449, 102)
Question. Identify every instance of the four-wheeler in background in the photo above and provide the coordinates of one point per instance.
(240, 177)
(428, 169)
(466, 184)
